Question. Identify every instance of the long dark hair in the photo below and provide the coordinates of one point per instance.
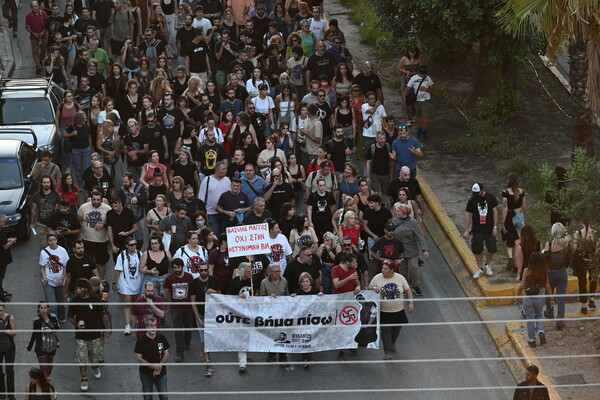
(64, 187)
(39, 376)
(299, 223)
(538, 269)
(529, 241)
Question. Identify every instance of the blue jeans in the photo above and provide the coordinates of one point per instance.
(326, 279)
(182, 319)
(518, 221)
(534, 307)
(558, 279)
(215, 221)
(66, 157)
(54, 295)
(148, 383)
(81, 161)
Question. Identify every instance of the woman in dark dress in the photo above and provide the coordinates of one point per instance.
(44, 349)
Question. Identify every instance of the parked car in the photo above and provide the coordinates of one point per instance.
(31, 103)
(17, 159)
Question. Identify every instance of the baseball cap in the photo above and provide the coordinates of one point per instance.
(476, 187)
(390, 226)
(260, 5)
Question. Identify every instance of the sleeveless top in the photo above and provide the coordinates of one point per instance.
(513, 201)
(409, 205)
(168, 9)
(297, 186)
(349, 189)
(343, 119)
(162, 266)
(362, 207)
(557, 259)
(343, 88)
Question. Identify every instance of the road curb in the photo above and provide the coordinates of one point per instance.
(466, 255)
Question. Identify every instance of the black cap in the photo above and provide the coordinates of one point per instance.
(390, 226)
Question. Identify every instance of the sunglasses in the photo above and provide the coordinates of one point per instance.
(347, 244)
(203, 270)
(131, 244)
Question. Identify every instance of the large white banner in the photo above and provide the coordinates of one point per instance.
(302, 324)
(244, 240)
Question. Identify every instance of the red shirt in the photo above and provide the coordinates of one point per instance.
(353, 233)
(341, 274)
(36, 22)
(141, 309)
(71, 196)
(179, 290)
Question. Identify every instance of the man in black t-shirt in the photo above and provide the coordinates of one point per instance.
(65, 224)
(369, 82)
(209, 154)
(339, 148)
(324, 113)
(98, 178)
(53, 22)
(196, 57)
(375, 218)
(278, 192)
(152, 352)
(406, 180)
(157, 140)
(79, 266)
(233, 204)
(225, 54)
(320, 63)
(258, 214)
(197, 113)
(482, 214)
(121, 224)
(199, 288)
(84, 93)
(83, 22)
(305, 262)
(379, 165)
(179, 83)
(387, 247)
(136, 148)
(173, 121)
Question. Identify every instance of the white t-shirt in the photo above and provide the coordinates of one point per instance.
(218, 135)
(414, 83)
(280, 248)
(252, 88)
(54, 263)
(391, 289)
(318, 27)
(263, 105)
(375, 119)
(91, 217)
(130, 279)
(215, 189)
(203, 24)
(192, 259)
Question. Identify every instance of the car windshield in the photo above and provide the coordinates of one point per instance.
(26, 111)
(10, 174)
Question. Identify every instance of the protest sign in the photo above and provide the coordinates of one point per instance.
(302, 324)
(245, 240)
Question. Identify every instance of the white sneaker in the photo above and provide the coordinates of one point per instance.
(97, 373)
(127, 330)
(478, 273)
(84, 385)
(488, 270)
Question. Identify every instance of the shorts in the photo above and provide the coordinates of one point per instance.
(88, 351)
(479, 238)
(221, 77)
(422, 108)
(379, 183)
(99, 251)
(72, 52)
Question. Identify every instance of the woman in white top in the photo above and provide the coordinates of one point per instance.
(404, 198)
(53, 261)
(285, 103)
(265, 156)
(252, 84)
(264, 105)
(127, 279)
(156, 214)
(192, 254)
(302, 234)
(109, 107)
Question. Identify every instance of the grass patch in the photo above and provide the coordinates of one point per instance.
(362, 14)
(483, 137)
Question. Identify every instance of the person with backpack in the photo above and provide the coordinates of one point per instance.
(8, 331)
(341, 149)
(421, 86)
(53, 260)
(127, 279)
(44, 338)
(122, 23)
(151, 47)
(372, 115)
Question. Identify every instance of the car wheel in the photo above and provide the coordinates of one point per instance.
(23, 231)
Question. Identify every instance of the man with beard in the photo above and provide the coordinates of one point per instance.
(199, 288)
(152, 352)
(211, 189)
(178, 219)
(89, 318)
(147, 305)
(253, 185)
(278, 192)
(231, 103)
(531, 388)
(320, 63)
(232, 205)
(210, 153)
(340, 148)
(79, 266)
(305, 262)
(121, 223)
(157, 140)
(192, 203)
(173, 121)
(133, 195)
(97, 81)
(136, 148)
(196, 57)
(65, 224)
(43, 204)
(84, 93)
(177, 290)
(240, 91)
(92, 216)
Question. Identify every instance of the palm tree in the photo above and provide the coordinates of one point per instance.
(576, 22)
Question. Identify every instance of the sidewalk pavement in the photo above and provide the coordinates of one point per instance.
(6, 50)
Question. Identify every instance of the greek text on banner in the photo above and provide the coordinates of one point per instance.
(302, 324)
(245, 240)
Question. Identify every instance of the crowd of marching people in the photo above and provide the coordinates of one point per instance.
(181, 119)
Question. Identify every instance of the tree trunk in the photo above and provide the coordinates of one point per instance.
(582, 129)
(486, 80)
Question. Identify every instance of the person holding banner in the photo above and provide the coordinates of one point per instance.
(275, 285)
(306, 288)
(391, 286)
(242, 286)
(199, 288)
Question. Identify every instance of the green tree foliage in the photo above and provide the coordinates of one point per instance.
(449, 29)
